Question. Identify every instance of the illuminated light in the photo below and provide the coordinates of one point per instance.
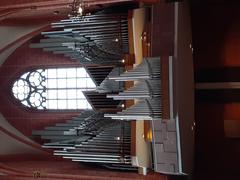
(143, 136)
(123, 60)
(116, 40)
(77, 79)
(80, 10)
(118, 138)
(149, 135)
(56, 12)
(123, 105)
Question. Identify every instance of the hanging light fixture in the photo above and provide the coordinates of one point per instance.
(78, 7)
(80, 10)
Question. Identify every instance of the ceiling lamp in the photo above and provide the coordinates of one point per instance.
(78, 8)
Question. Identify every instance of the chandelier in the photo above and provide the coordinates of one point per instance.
(78, 8)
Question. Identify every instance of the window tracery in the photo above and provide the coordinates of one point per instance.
(54, 88)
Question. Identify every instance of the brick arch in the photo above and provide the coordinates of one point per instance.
(20, 61)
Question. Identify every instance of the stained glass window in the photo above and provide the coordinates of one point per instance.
(59, 88)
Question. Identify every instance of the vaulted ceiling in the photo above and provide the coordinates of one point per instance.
(27, 11)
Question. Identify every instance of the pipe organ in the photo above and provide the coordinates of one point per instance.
(91, 138)
(100, 39)
(146, 89)
(103, 136)
(108, 85)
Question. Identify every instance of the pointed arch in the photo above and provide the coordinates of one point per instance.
(54, 88)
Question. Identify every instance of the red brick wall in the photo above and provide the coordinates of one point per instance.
(69, 170)
(17, 63)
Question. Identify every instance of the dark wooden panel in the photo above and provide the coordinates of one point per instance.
(163, 31)
(228, 74)
(218, 96)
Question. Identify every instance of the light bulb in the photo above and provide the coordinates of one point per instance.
(80, 10)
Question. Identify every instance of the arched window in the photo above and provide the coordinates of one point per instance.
(54, 88)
